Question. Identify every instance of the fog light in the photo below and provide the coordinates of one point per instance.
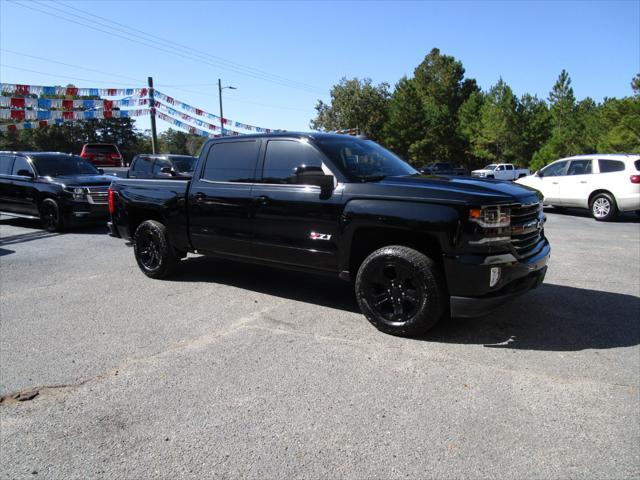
(495, 276)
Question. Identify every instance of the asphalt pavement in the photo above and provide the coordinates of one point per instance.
(237, 371)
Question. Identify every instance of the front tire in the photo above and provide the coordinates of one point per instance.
(400, 291)
(154, 254)
(50, 215)
(603, 207)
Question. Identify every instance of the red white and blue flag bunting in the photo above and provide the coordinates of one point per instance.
(19, 115)
(60, 121)
(60, 103)
(17, 89)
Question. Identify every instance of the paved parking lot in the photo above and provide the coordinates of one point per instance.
(233, 370)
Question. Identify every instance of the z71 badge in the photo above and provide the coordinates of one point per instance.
(319, 236)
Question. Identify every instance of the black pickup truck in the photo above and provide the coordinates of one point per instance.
(418, 248)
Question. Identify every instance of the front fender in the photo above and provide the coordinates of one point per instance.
(441, 223)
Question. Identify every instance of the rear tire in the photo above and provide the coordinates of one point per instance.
(50, 215)
(400, 291)
(603, 207)
(154, 254)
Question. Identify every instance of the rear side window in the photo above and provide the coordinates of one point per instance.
(608, 166)
(284, 156)
(231, 161)
(141, 166)
(509, 167)
(579, 167)
(5, 164)
(637, 165)
(21, 164)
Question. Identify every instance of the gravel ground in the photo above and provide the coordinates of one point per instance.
(233, 370)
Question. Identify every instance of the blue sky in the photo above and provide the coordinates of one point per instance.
(309, 46)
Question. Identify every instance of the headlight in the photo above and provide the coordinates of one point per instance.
(77, 192)
(494, 216)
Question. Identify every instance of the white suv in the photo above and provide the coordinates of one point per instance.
(605, 184)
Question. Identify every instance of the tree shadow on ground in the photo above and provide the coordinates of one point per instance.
(552, 317)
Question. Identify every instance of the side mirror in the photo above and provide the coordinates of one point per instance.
(101, 171)
(308, 175)
(168, 171)
(539, 174)
(25, 173)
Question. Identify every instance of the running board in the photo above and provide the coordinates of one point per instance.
(19, 215)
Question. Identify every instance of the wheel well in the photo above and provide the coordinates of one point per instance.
(597, 192)
(137, 217)
(368, 239)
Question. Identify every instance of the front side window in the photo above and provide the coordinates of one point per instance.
(232, 161)
(283, 157)
(608, 166)
(19, 165)
(555, 169)
(364, 160)
(142, 166)
(579, 167)
(6, 161)
(61, 165)
(159, 164)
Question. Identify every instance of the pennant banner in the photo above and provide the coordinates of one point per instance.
(201, 113)
(47, 103)
(67, 118)
(207, 126)
(7, 114)
(17, 89)
(191, 129)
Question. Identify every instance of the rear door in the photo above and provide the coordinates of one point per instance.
(295, 223)
(219, 198)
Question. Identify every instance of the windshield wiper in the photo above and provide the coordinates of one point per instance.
(373, 178)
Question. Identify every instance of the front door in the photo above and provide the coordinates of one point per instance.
(575, 185)
(22, 192)
(295, 223)
(549, 182)
(220, 198)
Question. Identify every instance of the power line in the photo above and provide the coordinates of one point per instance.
(67, 76)
(200, 52)
(187, 56)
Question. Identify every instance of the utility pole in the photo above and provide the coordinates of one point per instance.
(220, 88)
(220, 98)
(152, 114)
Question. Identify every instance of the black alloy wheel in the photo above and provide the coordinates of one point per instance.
(400, 291)
(154, 254)
(50, 215)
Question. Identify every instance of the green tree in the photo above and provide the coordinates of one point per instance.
(534, 127)
(357, 104)
(405, 122)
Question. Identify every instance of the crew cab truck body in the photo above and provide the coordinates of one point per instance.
(62, 190)
(501, 171)
(416, 247)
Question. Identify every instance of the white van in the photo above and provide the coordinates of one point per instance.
(604, 183)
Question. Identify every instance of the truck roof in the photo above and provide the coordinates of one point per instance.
(310, 135)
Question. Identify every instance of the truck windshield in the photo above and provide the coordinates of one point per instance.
(490, 167)
(61, 165)
(364, 160)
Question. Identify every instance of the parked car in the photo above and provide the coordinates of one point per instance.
(605, 184)
(417, 247)
(60, 189)
(161, 166)
(442, 168)
(501, 171)
(102, 154)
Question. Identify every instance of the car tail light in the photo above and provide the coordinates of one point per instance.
(112, 207)
(115, 155)
(635, 178)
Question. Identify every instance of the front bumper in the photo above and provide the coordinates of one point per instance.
(81, 213)
(468, 280)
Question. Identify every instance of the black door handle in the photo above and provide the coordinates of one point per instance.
(199, 197)
(262, 200)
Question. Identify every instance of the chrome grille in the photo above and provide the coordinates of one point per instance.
(526, 228)
(99, 195)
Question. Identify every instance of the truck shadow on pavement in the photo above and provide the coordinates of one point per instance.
(552, 317)
(39, 232)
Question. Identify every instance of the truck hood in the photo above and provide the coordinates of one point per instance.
(82, 180)
(463, 190)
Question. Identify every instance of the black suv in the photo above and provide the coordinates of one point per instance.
(60, 189)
